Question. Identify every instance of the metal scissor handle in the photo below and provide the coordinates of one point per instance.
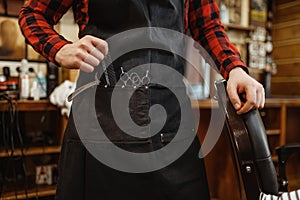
(84, 87)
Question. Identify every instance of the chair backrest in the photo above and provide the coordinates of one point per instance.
(249, 146)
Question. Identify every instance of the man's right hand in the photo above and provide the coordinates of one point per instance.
(85, 54)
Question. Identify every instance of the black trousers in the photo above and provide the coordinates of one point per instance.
(82, 177)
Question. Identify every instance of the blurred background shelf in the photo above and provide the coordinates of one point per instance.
(39, 191)
(31, 151)
(29, 105)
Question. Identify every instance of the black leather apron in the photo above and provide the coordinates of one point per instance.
(81, 176)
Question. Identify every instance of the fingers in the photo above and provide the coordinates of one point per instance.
(255, 98)
(95, 47)
(101, 45)
(234, 96)
(84, 54)
(92, 60)
(94, 51)
(260, 98)
(87, 67)
(251, 99)
(241, 83)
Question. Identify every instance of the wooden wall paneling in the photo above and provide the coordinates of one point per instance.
(286, 54)
(286, 10)
(286, 31)
(290, 69)
(280, 2)
(292, 125)
(287, 79)
(287, 51)
(281, 89)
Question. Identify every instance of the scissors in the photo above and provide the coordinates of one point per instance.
(84, 87)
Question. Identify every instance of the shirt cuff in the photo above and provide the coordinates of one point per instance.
(232, 65)
(52, 47)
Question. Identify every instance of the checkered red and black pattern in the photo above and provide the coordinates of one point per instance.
(37, 18)
(206, 28)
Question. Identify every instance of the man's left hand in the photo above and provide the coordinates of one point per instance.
(244, 92)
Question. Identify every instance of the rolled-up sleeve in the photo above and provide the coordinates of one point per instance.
(36, 20)
(205, 26)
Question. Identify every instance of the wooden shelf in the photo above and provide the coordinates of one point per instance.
(238, 27)
(205, 103)
(279, 102)
(29, 105)
(270, 103)
(255, 71)
(273, 132)
(40, 191)
(32, 151)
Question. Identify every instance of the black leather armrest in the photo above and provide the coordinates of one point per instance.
(248, 142)
(283, 153)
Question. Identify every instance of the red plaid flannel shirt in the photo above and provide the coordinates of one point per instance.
(37, 18)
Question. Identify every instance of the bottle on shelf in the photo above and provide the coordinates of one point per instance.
(24, 80)
(224, 14)
(41, 84)
(34, 91)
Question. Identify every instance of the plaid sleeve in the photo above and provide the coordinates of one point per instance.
(203, 20)
(36, 21)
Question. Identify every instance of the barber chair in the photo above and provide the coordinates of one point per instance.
(250, 151)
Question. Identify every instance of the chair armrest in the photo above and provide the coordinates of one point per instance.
(249, 146)
(283, 153)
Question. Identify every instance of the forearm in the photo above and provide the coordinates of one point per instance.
(36, 22)
(207, 30)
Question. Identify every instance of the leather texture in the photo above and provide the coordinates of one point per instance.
(267, 176)
(250, 149)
